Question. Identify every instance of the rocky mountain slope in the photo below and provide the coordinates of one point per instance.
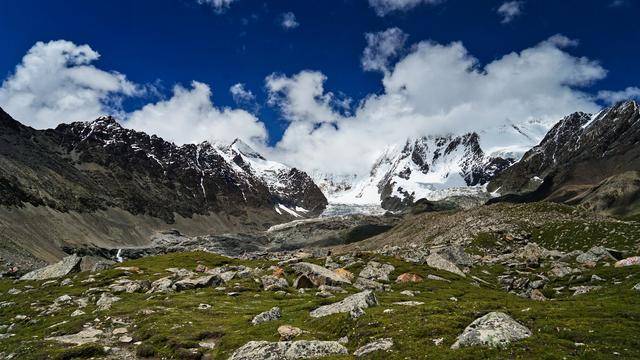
(428, 167)
(97, 182)
(584, 158)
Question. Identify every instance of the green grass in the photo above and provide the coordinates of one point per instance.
(606, 321)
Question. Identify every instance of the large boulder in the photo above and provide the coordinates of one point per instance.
(455, 254)
(496, 329)
(319, 275)
(62, 268)
(437, 261)
(196, 283)
(360, 300)
(288, 350)
(273, 283)
(594, 255)
(377, 271)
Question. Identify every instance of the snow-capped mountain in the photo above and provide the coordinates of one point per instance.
(432, 167)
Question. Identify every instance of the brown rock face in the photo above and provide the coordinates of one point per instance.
(409, 278)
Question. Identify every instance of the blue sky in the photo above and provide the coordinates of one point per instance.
(158, 44)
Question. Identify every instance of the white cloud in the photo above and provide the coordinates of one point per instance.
(435, 89)
(612, 97)
(241, 94)
(383, 7)
(382, 47)
(510, 10)
(190, 116)
(288, 21)
(55, 82)
(218, 6)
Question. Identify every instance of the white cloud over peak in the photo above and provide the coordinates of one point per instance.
(510, 10)
(612, 97)
(436, 89)
(190, 116)
(384, 7)
(288, 21)
(55, 82)
(382, 48)
(218, 6)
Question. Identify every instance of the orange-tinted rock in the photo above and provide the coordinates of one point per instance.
(409, 277)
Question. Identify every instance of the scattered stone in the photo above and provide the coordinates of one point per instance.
(409, 278)
(288, 350)
(532, 253)
(288, 332)
(560, 270)
(62, 268)
(630, 261)
(106, 301)
(77, 313)
(125, 339)
(376, 271)
(273, 283)
(14, 291)
(408, 303)
(278, 272)
(594, 255)
(161, 285)
(120, 331)
(324, 294)
(409, 293)
(596, 278)
(496, 329)
(303, 282)
(273, 314)
(360, 300)
(454, 254)
(437, 261)
(320, 275)
(345, 273)
(636, 287)
(437, 341)
(378, 345)
(343, 340)
(86, 336)
(579, 290)
(66, 282)
(204, 307)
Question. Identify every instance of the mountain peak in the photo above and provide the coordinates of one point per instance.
(243, 148)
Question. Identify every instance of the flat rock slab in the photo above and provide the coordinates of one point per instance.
(288, 350)
(360, 300)
(270, 315)
(62, 268)
(378, 345)
(437, 261)
(496, 329)
(319, 275)
(195, 283)
(86, 336)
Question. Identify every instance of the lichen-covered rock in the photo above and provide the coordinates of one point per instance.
(378, 345)
(376, 271)
(594, 255)
(106, 301)
(630, 261)
(360, 300)
(495, 329)
(86, 336)
(437, 261)
(62, 268)
(319, 275)
(288, 350)
(273, 283)
(366, 284)
(161, 285)
(270, 315)
(288, 332)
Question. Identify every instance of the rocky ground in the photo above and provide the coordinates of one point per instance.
(546, 281)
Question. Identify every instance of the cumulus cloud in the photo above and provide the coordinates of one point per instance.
(55, 82)
(288, 21)
(510, 10)
(436, 89)
(190, 116)
(383, 7)
(241, 94)
(612, 97)
(218, 6)
(382, 48)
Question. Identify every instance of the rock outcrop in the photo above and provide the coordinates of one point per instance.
(496, 329)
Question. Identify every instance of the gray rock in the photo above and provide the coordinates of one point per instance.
(274, 283)
(495, 329)
(437, 261)
(360, 300)
(319, 275)
(288, 332)
(356, 313)
(376, 271)
(270, 315)
(366, 284)
(455, 254)
(636, 287)
(196, 283)
(378, 345)
(579, 290)
(408, 303)
(288, 350)
(594, 254)
(62, 268)
(161, 285)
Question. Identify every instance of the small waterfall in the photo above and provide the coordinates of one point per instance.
(118, 257)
